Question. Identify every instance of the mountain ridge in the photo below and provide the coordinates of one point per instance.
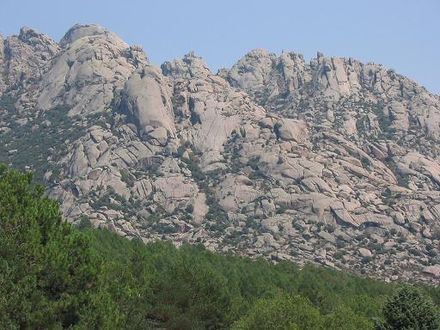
(332, 161)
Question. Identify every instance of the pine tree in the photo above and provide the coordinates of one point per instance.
(409, 309)
(47, 271)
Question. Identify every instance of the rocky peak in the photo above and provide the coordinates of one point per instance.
(38, 40)
(79, 31)
(190, 66)
(250, 73)
(90, 70)
(23, 58)
(265, 75)
(334, 86)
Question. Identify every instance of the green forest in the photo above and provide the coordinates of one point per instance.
(57, 276)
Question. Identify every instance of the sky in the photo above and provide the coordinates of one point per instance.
(403, 35)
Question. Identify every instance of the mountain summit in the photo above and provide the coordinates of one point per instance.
(331, 161)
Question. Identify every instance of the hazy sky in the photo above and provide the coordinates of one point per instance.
(401, 34)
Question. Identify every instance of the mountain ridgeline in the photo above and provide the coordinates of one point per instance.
(331, 161)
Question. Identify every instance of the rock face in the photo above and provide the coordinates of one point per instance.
(332, 161)
(23, 57)
(147, 98)
(92, 65)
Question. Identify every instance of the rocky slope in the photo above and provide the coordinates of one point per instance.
(331, 161)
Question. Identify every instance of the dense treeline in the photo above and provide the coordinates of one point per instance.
(55, 276)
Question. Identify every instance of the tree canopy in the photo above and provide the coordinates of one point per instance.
(409, 309)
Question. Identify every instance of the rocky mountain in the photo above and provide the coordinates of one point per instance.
(330, 161)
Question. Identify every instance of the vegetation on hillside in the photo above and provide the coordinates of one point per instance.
(55, 276)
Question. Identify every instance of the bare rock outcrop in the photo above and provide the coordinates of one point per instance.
(23, 57)
(85, 75)
(147, 98)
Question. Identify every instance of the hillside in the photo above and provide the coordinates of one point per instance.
(331, 161)
(56, 276)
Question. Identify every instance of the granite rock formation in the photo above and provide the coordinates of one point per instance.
(330, 161)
